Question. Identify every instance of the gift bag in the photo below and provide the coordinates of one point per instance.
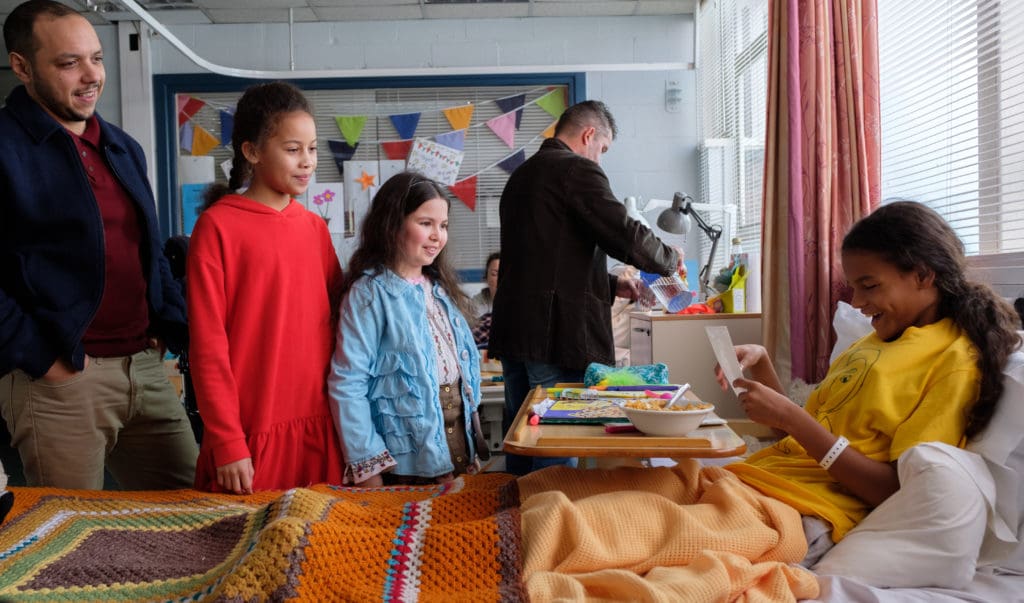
(733, 299)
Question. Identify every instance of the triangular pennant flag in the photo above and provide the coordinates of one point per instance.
(342, 152)
(227, 125)
(510, 163)
(510, 103)
(181, 99)
(465, 190)
(453, 140)
(553, 102)
(405, 124)
(202, 141)
(504, 127)
(351, 127)
(190, 108)
(459, 117)
(549, 132)
(396, 149)
(186, 136)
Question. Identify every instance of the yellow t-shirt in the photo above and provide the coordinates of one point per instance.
(885, 397)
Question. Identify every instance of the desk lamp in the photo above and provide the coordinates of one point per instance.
(678, 219)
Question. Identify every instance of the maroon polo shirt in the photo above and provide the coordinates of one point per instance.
(120, 326)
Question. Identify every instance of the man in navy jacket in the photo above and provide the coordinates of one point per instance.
(87, 301)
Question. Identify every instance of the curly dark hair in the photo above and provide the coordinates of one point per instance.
(257, 115)
(378, 236)
(914, 238)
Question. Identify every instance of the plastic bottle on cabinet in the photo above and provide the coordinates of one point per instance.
(670, 290)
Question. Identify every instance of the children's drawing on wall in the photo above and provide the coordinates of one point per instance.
(194, 174)
(361, 179)
(435, 161)
(327, 200)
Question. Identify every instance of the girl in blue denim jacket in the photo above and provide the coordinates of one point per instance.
(405, 379)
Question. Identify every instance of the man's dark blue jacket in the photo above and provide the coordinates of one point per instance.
(52, 242)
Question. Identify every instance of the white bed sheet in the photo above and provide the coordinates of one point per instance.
(985, 588)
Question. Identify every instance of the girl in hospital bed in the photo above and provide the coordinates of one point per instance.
(405, 379)
(930, 371)
(263, 281)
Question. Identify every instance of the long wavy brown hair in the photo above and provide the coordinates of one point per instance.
(914, 238)
(378, 236)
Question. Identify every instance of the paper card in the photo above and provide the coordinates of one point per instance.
(327, 200)
(195, 170)
(390, 167)
(191, 203)
(721, 344)
(491, 212)
(435, 161)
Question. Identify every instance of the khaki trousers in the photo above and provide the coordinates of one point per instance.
(120, 412)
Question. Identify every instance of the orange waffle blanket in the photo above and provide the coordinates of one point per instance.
(459, 541)
(683, 534)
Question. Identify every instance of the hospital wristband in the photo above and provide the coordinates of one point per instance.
(833, 453)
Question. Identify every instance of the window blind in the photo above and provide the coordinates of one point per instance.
(732, 63)
(952, 100)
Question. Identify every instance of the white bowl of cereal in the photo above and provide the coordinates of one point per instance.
(649, 416)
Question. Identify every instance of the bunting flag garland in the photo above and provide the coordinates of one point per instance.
(190, 107)
(342, 152)
(553, 102)
(396, 149)
(351, 127)
(510, 103)
(504, 127)
(202, 141)
(510, 163)
(227, 125)
(405, 124)
(455, 140)
(186, 136)
(466, 191)
(440, 156)
(459, 117)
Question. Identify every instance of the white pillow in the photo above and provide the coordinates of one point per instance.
(850, 325)
(1002, 445)
(929, 532)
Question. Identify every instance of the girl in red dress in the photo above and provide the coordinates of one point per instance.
(263, 282)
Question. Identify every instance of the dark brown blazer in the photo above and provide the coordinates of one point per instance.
(559, 222)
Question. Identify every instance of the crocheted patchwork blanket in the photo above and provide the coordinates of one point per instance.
(458, 541)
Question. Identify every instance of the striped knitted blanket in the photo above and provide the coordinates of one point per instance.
(459, 541)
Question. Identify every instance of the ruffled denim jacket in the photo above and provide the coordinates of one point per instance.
(383, 382)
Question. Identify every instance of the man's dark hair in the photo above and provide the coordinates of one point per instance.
(586, 114)
(18, 27)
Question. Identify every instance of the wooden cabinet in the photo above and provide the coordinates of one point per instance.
(681, 343)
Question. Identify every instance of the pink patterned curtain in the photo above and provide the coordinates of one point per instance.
(821, 168)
